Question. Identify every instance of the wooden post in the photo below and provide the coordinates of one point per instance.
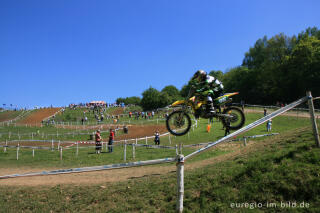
(245, 141)
(52, 146)
(136, 140)
(59, 144)
(177, 149)
(169, 139)
(180, 182)
(33, 153)
(146, 140)
(313, 120)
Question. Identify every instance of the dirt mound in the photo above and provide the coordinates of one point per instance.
(117, 111)
(37, 116)
(5, 116)
(138, 131)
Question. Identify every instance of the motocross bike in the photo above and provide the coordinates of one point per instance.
(179, 122)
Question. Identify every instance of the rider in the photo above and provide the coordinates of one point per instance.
(206, 86)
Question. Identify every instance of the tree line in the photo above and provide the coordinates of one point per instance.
(279, 69)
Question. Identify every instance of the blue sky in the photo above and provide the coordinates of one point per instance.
(70, 51)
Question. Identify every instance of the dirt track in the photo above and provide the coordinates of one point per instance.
(37, 116)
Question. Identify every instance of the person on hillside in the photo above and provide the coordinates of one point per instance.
(264, 111)
(227, 127)
(157, 138)
(206, 87)
(98, 140)
(111, 138)
(269, 125)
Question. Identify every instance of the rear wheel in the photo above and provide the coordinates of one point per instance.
(237, 118)
(178, 123)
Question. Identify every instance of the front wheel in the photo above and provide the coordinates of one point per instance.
(236, 119)
(178, 123)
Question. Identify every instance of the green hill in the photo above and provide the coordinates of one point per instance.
(264, 176)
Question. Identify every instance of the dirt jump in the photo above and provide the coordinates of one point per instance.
(38, 116)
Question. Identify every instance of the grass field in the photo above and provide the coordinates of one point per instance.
(270, 172)
(278, 170)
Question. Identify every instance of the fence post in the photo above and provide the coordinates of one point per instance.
(146, 140)
(177, 149)
(169, 139)
(313, 120)
(245, 141)
(60, 153)
(59, 144)
(134, 151)
(5, 148)
(18, 147)
(180, 182)
(52, 146)
(136, 140)
(125, 150)
(77, 153)
(33, 153)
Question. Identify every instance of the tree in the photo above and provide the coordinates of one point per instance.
(135, 100)
(217, 74)
(151, 99)
(172, 92)
(185, 90)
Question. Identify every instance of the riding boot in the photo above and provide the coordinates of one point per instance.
(210, 108)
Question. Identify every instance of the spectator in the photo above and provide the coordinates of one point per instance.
(269, 124)
(98, 142)
(111, 138)
(242, 105)
(82, 120)
(264, 111)
(157, 138)
(130, 114)
(152, 114)
(125, 129)
(227, 131)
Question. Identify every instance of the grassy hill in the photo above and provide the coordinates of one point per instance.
(263, 177)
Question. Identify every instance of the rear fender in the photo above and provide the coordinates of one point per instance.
(225, 98)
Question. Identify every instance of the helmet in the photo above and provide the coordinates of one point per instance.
(199, 75)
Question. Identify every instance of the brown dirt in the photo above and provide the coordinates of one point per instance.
(118, 111)
(139, 131)
(5, 116)
(37, 116)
